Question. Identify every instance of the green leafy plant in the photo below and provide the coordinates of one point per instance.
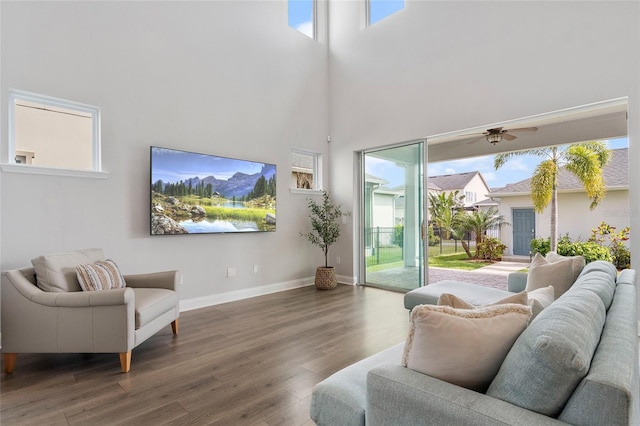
(325, 229)
(619, 251)
(490, 248)
(540, 245)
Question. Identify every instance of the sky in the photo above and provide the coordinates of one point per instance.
(301, 13)
(173, 166)
(515, 170)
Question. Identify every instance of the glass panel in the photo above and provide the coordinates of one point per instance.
(303, 170)
(380, 9)
(393, 213)
(301, 16)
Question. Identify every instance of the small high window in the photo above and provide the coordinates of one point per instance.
(302, 16)
(379, 9)
(53, 133)
(305, 170)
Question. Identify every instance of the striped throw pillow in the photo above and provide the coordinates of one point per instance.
(102, 275)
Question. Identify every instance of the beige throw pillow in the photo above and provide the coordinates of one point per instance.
(540, 299)
(454, 301)
(56, 272)
(463, 346)
(577, 262)
(103, 275)
(542, 273)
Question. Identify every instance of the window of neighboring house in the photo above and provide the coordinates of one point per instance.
(377, 10)
(302, 16)
(305, 170)
(470, 197)
(51, 135)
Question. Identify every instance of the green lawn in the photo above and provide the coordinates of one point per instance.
(456, 261)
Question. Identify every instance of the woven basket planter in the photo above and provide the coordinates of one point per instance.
(326, 278)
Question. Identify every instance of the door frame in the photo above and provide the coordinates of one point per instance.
(359, 233)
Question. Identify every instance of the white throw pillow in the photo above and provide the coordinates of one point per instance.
(463, 346)
(542, 273)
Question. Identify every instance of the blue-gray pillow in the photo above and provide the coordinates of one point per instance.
(552, 355)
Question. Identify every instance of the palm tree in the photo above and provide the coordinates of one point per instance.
(444, 208)
(480, 221)
(584, 160)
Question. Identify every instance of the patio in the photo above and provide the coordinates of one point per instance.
(494, 275)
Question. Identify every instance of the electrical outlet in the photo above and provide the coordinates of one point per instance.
(255, 269)
(231, 272)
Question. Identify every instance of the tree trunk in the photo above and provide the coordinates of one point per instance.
(553, 238)
(465, 246)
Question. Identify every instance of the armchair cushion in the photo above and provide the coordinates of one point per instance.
(153, 302)
(100, 276)
(57, 273)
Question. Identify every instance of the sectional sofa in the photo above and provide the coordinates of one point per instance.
(575, 363)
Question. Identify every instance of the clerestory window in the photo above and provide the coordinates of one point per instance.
(377, 10)
(302, 16)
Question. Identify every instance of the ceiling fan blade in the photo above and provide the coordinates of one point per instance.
(476, 139)
(508, 137)
(471, 134)
(524, 129)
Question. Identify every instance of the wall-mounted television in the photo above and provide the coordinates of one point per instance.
(194, 193)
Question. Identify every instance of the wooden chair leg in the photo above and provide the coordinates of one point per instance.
(9, 362)
(125, 361)
(174, 326)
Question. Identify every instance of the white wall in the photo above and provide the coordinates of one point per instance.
(438, 67)
(227, 77)
(574, 216)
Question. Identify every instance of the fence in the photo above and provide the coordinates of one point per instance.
(385, 244)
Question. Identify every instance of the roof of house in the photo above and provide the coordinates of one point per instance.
(453, 181)
(615, 173)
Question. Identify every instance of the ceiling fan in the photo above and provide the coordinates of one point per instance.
(496, 134)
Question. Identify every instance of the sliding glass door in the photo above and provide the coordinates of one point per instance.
(392, 206)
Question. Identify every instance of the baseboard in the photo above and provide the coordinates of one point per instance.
(232, 296)
(345, 279)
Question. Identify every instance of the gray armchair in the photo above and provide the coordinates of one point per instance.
(64, 319)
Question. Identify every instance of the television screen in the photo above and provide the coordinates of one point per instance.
(194, 193)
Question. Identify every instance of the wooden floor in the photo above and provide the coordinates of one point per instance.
(248, 362)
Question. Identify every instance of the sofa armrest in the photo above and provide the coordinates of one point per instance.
(397, 395)
(517, 282)
(166, 279)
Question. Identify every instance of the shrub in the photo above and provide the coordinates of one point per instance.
(432, 238)
(590, 250)
(540, 245)
(398, 235)
(490, 248)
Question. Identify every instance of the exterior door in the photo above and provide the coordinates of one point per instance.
(391, 247)
(524, 226)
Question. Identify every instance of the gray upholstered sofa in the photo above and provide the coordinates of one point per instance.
(44, 309)
(576, 363)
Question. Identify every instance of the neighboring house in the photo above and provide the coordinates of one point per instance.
(574, 216)
(470, 184)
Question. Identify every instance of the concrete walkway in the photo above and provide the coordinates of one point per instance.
(494, 275)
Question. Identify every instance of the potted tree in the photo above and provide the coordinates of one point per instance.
(325, 230)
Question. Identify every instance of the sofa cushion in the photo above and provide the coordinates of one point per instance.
(464, 347)
(552, 355)
(341, 399)
(470, 293)
(57, 273)
(542, 273)
(102, 275)
(606, 395)
(600, 278)
(153, 302)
